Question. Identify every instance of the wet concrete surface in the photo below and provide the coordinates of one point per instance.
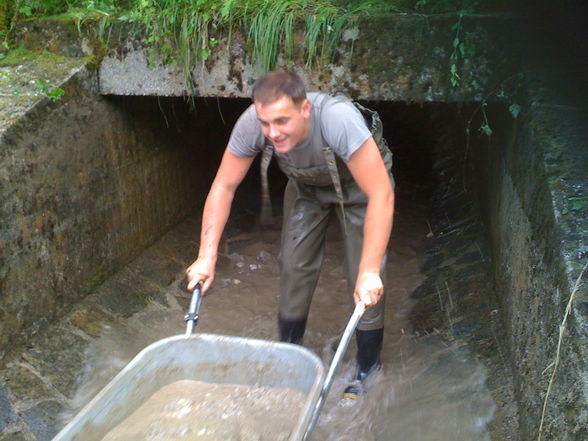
(445, 374)
(41, 379)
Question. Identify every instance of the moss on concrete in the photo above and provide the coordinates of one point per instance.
(535, 192)
(26, 77)
(46, 61)
(93, 282)
(17, 56)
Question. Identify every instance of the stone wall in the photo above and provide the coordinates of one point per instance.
(86, 183)
(533, 194)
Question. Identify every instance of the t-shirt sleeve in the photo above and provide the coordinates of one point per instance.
(344, 128)
(246, 139)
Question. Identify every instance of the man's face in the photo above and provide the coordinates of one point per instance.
(284, 123)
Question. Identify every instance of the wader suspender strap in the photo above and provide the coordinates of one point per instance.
(332, 166)
(267, 215)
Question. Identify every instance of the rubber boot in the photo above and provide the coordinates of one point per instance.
(369, 346)
(291, 331)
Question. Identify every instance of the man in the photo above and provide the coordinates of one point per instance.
(325, 147)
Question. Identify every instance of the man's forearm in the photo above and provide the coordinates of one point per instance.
(376, 232)
(214, 218)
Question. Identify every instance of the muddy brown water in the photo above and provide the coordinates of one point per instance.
(428, 389)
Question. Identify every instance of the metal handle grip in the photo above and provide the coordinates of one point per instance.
(191, 317)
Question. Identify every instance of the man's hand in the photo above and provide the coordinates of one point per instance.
(201, 271)
(368, 289)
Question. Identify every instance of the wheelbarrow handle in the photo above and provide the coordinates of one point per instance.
(191, 317)
(335, 363)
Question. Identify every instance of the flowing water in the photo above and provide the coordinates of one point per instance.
(428, 389)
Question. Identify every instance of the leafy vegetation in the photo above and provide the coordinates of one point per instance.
(185, 26)
(54, 94)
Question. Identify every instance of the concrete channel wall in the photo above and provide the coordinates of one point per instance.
(533, 196)
(87, 183)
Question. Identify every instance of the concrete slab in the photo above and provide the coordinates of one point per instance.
(24, 387)
(405, 65)
(58, 356)
(7, 414)
(26, 79)
(43, 420)
(16, 435)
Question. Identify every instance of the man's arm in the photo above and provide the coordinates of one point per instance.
(368, 169)
(214, 218)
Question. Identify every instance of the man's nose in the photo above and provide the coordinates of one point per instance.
(273, 131)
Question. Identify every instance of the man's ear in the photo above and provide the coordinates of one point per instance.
(305, 108)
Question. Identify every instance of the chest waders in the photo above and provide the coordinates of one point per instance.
(311, 196)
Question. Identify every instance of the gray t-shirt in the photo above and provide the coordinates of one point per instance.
(341, 124)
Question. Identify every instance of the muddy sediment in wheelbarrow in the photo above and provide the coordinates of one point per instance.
(197, 410)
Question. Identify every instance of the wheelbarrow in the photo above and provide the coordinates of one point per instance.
(215, 359)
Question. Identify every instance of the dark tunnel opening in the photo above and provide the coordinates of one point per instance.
(418, 135)
(466, 166)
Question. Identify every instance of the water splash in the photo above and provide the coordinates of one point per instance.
(119, 342)
(428, 391)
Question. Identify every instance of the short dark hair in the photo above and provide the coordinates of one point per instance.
(276, 84)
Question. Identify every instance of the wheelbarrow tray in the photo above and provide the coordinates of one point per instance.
(202, 357)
